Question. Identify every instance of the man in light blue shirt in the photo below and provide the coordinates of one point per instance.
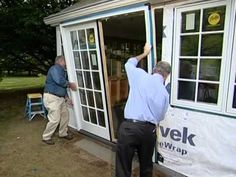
(146, 106)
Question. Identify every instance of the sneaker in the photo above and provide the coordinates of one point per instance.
(49, 142)
(68, 137)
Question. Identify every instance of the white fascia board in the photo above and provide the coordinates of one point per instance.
(76, 13)
(102, 15)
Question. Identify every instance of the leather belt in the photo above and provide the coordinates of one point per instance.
(139, 121)
(54, 94)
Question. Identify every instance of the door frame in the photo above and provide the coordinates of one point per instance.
(146, 11)
(93, 18)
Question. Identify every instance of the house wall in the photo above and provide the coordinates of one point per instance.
(192, 142)
(198, 144)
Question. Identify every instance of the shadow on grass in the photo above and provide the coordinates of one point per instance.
(12, 104)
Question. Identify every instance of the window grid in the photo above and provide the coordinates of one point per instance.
(199, 55)
(81, 63)
(91, 76)
(90, 71)
(199, 58)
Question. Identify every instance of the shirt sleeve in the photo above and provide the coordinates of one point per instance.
(59, 77)
(165, 107)
(133, 73)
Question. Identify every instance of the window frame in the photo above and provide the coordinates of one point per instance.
(232, 82)
(220, 107)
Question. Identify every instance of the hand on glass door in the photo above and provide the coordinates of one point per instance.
(72, 86)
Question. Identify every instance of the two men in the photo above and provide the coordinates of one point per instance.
(146, 106)
(55, 98)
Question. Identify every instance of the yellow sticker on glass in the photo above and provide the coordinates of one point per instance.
(214, 19)
(91, 38)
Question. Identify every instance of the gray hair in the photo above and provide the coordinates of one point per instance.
(162, 67)
(59, 58)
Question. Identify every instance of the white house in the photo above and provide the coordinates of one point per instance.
(198, 136)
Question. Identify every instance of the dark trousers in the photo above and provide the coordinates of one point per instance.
(135, 136)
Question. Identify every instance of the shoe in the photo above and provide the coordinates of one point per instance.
(48, 142)
(68, 137)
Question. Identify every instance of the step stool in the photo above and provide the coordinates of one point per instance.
(34, 105)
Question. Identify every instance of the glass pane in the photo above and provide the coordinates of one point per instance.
(98, 97)
(101, 118)
(186, 90)
(208, 92)
(80, 79)
(91, 38)
(77, 60)
(93, 60)
(82, 39)
(212, 45)
(85, 60)
(74, 40)
(213, 19)
(90, 98)
(96, 81)
(234, 100)
(187, 68)
(93, 116)
(87, 79)
(82, 97)
(210, 69)
(190, 21)
(189, 45)
(85, 113)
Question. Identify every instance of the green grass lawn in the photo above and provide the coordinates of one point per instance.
(21, 83)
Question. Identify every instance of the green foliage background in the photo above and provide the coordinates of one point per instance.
(26, 42)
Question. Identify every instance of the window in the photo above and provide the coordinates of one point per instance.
(200, 59)
(84, 49)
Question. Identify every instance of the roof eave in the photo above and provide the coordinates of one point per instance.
(56, 19)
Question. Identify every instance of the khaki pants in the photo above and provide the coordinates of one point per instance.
(57, 114)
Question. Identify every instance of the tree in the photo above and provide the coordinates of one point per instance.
(25, 39)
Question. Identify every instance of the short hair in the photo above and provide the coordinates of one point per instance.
(59, 58)
(162, 67)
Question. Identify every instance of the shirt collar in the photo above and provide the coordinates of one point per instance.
(159, 77)
(60, 66)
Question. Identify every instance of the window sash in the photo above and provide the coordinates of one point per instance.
(177, 57)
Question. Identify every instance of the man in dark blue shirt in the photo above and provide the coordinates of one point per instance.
(55, 98)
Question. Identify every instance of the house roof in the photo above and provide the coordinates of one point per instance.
(82, 4)
(87, 7)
